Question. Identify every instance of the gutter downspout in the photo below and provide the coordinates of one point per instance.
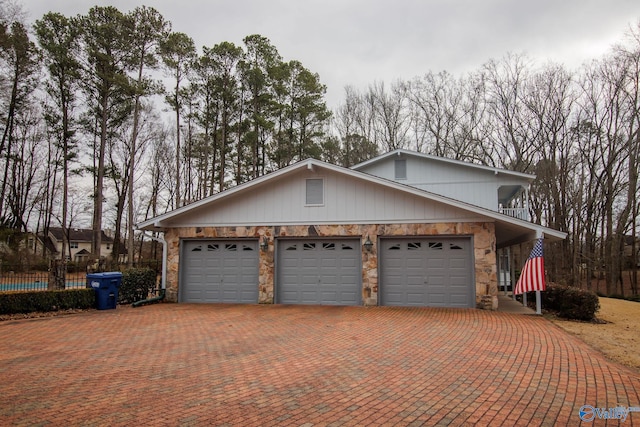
(163, 282)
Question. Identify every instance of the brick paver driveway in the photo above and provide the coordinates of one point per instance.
(174, 364)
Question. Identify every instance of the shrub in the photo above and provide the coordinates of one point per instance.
(570, 303)
(136, 285)
(30, 301)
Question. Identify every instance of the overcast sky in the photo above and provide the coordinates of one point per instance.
(357, 42)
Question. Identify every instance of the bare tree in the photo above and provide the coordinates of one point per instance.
(178, 53)
(505, 85)
(106, 43)
(58, 37)
(604, 108)
(149, 28)
(549, 99)
(20, 58)
(391, 124)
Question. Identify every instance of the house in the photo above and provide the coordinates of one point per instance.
(402, 229)
(79, 244)
(631, 244)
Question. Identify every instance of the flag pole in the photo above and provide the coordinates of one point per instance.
(532, 275)
(538, 296)
(524, 295)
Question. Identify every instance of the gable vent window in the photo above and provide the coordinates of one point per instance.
(315, 192)
(401, 168)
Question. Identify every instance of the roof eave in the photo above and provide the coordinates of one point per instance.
(155, 224)
(442, 159)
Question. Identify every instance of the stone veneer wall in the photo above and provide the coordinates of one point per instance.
(484, 251)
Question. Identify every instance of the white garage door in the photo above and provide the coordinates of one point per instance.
(219, 271)
(319, 271)
(427, 272)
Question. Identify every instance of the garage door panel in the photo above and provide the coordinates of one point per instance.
(288, 295)
(214, 264)
(426, 272)
(247, 263)
(329, 296)
(230, 295)
(211, 292)
(458, 263)
(349, 262)
(437, 301)
(289, 264)
(437, 262)
(318, 271)
(308, 263)
(329, 280)
(355, 280)
(436, 280)
(328, 263)
(414, 281)
(457, 280)
(395, 299)
(220, 271)
(414, 299)
(458, 298)
(309, 295)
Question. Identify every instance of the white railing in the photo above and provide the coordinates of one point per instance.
(520, 213)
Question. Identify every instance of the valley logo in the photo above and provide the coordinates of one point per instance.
(589, 413)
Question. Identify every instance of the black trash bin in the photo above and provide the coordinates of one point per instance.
(106, 286)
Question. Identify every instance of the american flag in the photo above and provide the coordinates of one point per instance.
(532, 276)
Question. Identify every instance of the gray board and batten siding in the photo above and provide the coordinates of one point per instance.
(345, 200)
(475, 184)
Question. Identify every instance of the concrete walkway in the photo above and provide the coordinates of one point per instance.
(235, 365)
(506, 304)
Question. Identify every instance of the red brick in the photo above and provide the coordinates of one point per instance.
(174, 364)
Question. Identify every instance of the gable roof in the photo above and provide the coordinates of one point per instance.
(509, 230)
(48, 244)
(400, 151)
(78, 235)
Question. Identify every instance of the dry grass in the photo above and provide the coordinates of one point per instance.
(617, 333)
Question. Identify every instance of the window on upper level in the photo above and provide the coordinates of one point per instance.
(401, 168)
(73, 245)
(315, 191)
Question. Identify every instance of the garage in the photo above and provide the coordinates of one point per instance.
(427, 272)
(215, 271)
(319, 271)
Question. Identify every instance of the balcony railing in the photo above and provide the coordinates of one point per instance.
(520, 213)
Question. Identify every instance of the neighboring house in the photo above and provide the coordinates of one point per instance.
(79, 241)
(628, 251)
(402, 229)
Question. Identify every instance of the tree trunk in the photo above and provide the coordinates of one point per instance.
(97, 211)
(57, 275)
(178, 148)
(7, 138)
(132, 155)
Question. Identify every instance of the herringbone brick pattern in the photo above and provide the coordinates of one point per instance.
(243, 365)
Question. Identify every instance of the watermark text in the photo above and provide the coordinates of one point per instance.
(589, 413)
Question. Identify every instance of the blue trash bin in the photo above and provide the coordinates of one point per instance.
(106, 286)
